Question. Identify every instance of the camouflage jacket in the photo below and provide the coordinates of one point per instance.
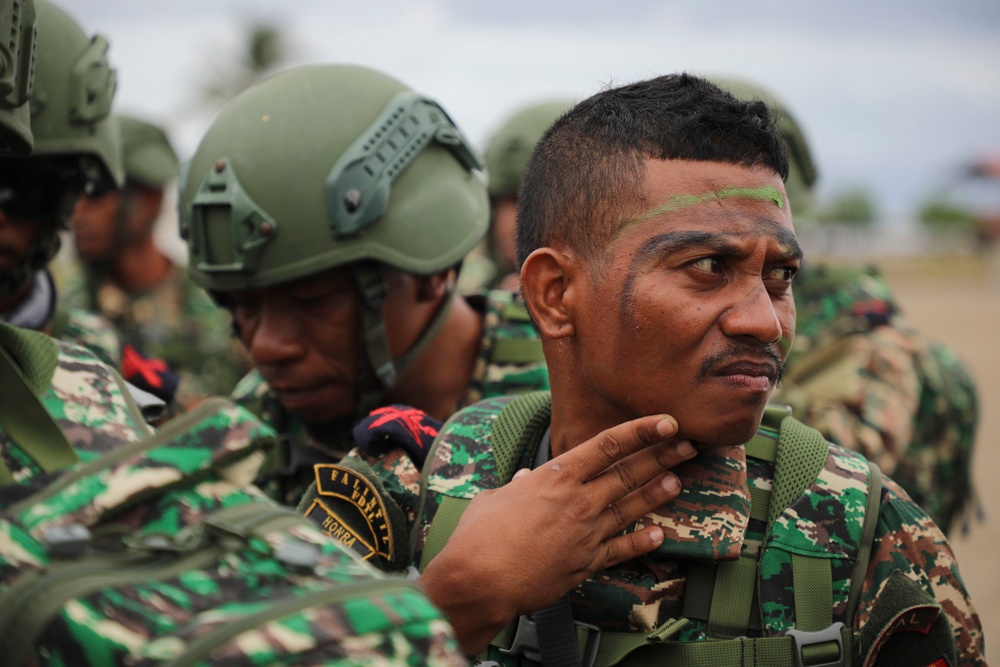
(510, 361)
(176, 322)
(710, 523)
(870, 382)
(200, 468)
(89, 330)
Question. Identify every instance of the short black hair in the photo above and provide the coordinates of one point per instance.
(588, 167)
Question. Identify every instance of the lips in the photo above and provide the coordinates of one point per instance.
(751, 376)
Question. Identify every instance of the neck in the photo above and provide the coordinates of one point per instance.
(140, 267)
(438, 380)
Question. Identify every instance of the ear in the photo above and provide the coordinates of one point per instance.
(548, 288)
(434, 286)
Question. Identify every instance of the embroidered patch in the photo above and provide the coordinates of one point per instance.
(919, 618)
(338, 530)
(361, 524)
(940, 662)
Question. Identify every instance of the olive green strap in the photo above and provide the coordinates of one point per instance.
(867, 539)
(517, 351)
(444, 523)
(28, 423)
(812, 585)
(518, 428)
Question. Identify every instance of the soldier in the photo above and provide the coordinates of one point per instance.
(863, 375)
(129, 280)
(329, 209)
(657, 253)
(493, 261)
(76, 147)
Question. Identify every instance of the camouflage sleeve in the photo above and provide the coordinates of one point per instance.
(94, 332)
(863, 395)
(907, 541)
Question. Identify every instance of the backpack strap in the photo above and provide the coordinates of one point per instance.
(518, 426)
(24, 417)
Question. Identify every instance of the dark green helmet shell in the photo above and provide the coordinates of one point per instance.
(323, 166)
(150, 159)
(17, 71)
(509, 149)
(73, 89)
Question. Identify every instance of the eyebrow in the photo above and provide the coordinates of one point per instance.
(720, 243)
(723, 243)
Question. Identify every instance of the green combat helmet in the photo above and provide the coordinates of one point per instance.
(71, 102)
(149, 158)
(509, 149)
(17, 63)
(802, 173)
(276, 192)
(76, 142)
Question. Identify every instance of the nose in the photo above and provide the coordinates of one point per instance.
(274, 337)
(754, 315)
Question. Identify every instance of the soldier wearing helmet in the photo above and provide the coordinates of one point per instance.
(506, 156)
(329, 209)
(863, 375)
(127, 278)
(76, 147)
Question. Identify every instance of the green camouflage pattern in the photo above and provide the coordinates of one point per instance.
(646, 594)
(872, 383)
(505, 319)
(88, 401)
(89, 330)
(176, 322)
(146, 500)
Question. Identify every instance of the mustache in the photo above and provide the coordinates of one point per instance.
(742, 351)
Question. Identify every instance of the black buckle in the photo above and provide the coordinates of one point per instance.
(831, 634)
(525, 642)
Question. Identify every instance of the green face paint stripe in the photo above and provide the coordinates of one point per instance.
(677, 202)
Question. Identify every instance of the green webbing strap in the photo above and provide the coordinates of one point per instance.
(732, 597)
(519, 428)
(28, 423)
(812, 585)
(517, 351)
(635, 649)
(699, 589)
(867, 538)
(762, 447)
(760, 503)
(444, 523)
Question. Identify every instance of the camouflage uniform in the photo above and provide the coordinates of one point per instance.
(176, 322)
(136, 618)
(510, 361)
(870, 382)
(711, 522)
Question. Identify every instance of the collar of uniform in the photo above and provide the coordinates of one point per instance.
(709, 518)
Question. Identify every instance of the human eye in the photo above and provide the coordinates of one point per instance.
(707, 265)
(782, 273)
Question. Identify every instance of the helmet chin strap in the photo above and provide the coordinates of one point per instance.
(372, 287)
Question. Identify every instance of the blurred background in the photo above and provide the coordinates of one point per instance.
(900, 102)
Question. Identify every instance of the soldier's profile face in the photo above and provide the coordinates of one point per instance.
(93, 225)
(692, 313)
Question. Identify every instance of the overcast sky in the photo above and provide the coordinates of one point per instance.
(894, 94)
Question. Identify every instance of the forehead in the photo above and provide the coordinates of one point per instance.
(711, 196)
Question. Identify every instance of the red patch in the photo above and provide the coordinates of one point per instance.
(411, 419)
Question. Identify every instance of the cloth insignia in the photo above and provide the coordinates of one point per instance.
(397, 427)
(361, 524)
(150, 374)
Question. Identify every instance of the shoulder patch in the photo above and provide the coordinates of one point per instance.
(362, 525)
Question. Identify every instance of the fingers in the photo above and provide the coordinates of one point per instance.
(626, 547)
(640, 471)
(621, 512)
(594, 456)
